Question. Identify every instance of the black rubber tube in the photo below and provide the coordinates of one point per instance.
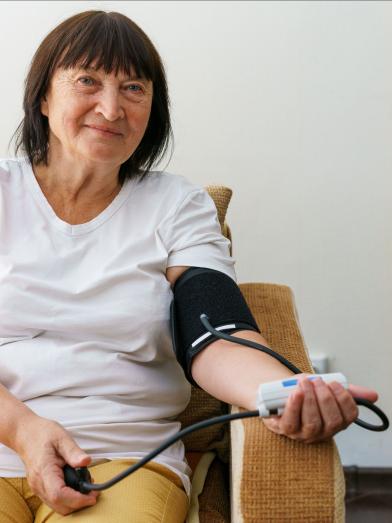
(76, 478)
(359, 401)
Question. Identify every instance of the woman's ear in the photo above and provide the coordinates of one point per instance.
(44, 106)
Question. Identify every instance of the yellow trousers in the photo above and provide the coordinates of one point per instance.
(150, 495)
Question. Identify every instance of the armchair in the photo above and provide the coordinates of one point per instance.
(242, 472)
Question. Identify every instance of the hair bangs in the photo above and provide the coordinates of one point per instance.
(110, 44)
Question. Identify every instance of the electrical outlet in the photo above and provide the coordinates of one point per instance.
(319, 363)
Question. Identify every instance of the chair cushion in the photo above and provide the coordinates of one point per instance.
(214, 501)
(199, 476)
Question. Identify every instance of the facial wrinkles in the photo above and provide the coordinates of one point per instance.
(68, 78)
(68, 91)
(112, 78)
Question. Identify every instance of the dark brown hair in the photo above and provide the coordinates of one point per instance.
(115, 43)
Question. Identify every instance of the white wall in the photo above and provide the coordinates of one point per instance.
(290, 104)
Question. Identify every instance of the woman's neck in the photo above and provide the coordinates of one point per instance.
(77, 197)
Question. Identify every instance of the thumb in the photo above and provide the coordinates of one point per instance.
(73, 454)
(357, 391)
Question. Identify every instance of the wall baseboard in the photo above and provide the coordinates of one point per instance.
(367, 480)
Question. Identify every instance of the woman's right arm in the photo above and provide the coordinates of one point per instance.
(13, 416)
(45, 447)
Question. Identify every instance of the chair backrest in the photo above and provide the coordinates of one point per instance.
(222, 196)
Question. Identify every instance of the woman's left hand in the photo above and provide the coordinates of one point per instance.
(316, 411)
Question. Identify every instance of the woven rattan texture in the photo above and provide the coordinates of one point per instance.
(284, 480)
(221, 196)
(203, 406)
(340, 490)
(273, 308)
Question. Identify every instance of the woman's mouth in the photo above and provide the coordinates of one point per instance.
(104, 132)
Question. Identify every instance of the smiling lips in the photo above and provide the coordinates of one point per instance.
(104, 130)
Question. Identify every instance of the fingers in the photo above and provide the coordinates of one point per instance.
(363, 392)
(46, 478)
(50, 487)
(312, 422)
(65, 500)
(331, 415)
(315, 411)
(302, 419)
(73, 454)
(290, 421)
(52, 447)
(346, 403)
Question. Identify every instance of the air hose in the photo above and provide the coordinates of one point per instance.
(80, 478)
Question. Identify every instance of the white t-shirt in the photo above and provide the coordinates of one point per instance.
(84, 311)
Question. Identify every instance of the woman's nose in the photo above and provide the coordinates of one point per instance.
(109, 104)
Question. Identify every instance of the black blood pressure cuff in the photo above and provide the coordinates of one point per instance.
(197, 291)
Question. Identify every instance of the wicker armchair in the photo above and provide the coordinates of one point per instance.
(242, 472)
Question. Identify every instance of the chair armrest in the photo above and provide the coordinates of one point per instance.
(274, 478)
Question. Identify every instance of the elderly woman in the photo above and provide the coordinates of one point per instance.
(91, 242)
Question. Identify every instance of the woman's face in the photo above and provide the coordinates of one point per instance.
(94, 117)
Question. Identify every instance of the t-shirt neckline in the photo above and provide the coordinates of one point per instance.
(81, 228)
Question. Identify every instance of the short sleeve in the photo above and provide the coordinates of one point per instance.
(193, 237)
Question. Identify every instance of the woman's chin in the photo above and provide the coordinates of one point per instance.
(102, 155)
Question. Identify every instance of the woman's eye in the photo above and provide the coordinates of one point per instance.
(85, 80)
(133, 88)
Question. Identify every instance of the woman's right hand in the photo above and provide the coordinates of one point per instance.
(45, 448)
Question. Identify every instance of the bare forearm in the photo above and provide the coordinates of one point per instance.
(232, 372)
(13, 416)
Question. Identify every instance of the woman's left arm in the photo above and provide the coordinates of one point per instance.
(232, 373)
(314, 412)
